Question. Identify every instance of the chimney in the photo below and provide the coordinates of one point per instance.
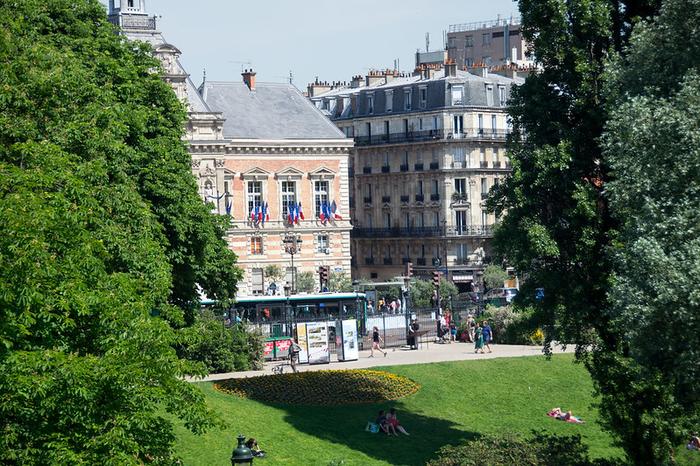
(450, 68)
(357, 81)
(249, 78)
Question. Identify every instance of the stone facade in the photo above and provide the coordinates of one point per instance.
(429, 147)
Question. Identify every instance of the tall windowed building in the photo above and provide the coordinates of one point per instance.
(428, 148)
(262, 153)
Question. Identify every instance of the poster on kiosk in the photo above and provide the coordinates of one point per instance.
(346, 340)
(317, 338)
(303, 343)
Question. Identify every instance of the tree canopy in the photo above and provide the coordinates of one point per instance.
(101, 228)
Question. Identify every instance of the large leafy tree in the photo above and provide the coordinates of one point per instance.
(558, 228)
(100, 229)
(652, 141)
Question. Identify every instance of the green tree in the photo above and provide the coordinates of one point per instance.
(338, 281)
(651, 142)
(101, 228)
(557, 227)
(422, 292)
(494, 276)
(306, 282)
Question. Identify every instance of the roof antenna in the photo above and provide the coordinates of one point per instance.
(427, 42)
(204, 76)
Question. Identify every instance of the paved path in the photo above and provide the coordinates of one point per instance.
(398, 357)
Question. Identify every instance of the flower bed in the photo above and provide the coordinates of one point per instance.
(339, 387)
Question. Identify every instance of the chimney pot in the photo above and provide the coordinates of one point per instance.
(249, 78)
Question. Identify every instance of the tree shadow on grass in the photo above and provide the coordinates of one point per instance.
(345, 425)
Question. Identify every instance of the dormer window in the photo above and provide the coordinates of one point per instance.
(407, 99)
(370, 103)
(457, 95)
(423, 97)
(489, 95)
(389, 98)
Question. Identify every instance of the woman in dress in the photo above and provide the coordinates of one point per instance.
(393, 421)
(478, 339)
(375, 342)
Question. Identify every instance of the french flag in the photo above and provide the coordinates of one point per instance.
(301, 211)
(334, 210)
(266, 213)
(290, 212)
(253, 213)
(322, 212)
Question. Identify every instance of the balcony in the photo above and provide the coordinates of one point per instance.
(369, 260)
(484, 164)
(434, 165)
(497, 164)
(429, 135)
(405, 260)
(367, 170)
(367, 200)
(388, 261)
(418, 167)
(420, 198)
(415, 232)
(405, 199)
(484, 196)
(459, 198)
(404, 167)
(420, 261)
(481, 231)
(434, 197)
(386, 169)
(386, 199)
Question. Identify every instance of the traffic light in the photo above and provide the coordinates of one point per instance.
(436, 279)
(323, 272)
(409, 269)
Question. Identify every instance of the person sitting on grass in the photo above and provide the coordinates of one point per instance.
(557, 413)
(694, 443)
(253, 445)
(381, 422)
(394, 424)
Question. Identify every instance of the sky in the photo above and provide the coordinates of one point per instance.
(331, 39)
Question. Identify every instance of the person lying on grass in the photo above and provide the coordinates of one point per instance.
(557, 413)
(694, 443)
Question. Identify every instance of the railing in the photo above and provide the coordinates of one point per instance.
(460, 197)
(418, 167)
(405, 198)
(497, 164)
(404, 168)
(430, 135)
(386, 199)
(483, 25)
(434, 197)
(470, 230)
(416, 232)
(369, 260)
(388, 261)
(367, 170)
(367, 200)
(405, 260)
(420, 198)
(420, 261)
(139, 22)
(484, 164)
(434, 165)
(386, 169)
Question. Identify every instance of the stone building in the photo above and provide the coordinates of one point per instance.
(490, 43)
(428, 148)
(260, 151)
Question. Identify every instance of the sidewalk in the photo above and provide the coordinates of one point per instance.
(398, 357)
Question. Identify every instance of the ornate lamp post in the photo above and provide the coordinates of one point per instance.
(292, 245)
(241, 454)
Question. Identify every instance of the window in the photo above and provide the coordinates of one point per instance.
(496, 158)
(435, 122)
(405, 126)
(258, 287)
(387, 220)
(480, 117)
(486, 39)
(486, 60)
(386, 127)
(482, 157)
(494, 125)
(420, 124)
(254, 195)
(460, 185)
(389, 101)
(370, 103)
(419, 188)
(423, 97)
(484, 186)
(405, 158)
(368, 221)
(484, 217)
(457, 124)
(368, 129)
(322, 244)
(489, 95)
(457, 95)
(256, 245)
(461, 221)
(469, 61)
(407, 222)
(289, 196)
(436, 187)
(421, 223)
(386, 161)
(502, 96)
(458, 155)
(320, 196)
(468, 41)
(462, 252)
(407, 99)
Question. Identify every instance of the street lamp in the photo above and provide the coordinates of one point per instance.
(241, 454)
(292, 245)
(287, 292)
(444, 234)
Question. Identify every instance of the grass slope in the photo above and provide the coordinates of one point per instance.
(457, 401)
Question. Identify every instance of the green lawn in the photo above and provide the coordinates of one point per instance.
(457, 401)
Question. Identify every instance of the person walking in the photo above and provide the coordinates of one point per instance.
(376, 339)
(478, 339)
(488, 334)
(294, 350)
(471, 325)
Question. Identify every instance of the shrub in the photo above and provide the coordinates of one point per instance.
(511, 450)
(513, 327)
(221, 348)
(331, 387)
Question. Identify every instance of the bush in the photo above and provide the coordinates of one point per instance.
(510, 450)
(221, 348)
(513, 327)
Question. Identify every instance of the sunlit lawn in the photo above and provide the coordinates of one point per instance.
(457, 401)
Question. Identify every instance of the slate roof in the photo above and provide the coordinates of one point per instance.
(272, 111)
